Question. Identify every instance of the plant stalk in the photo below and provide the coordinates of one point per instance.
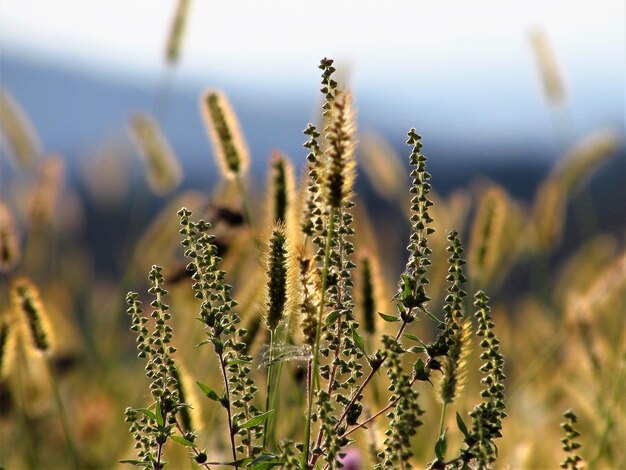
(318, 334)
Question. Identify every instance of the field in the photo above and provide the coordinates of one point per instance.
(283, 324)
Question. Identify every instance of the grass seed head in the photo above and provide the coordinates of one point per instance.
(177, 32)
(9, 245)
(223, 128)
(29, 309)
(19, 136)
(163, 170)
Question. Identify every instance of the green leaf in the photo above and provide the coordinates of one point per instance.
(159, 415)
(411, 337)
(233, 463)
(208, 392)
(331, 318)
(264, 461)
(420, 370)
(136, 463)
(358, 341)
(388, 318)
(256, 420)
(461, 424)
(231, 362)
(147, 412)
(183, 441)
(441, 446)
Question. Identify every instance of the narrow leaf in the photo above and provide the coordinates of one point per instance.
(358, 341)
(461, 424)
(208, 391)
(388, 318)
(256, 420)
(441, 447)
(183, 441)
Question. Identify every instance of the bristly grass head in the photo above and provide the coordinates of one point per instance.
(548, 68)
(44, 198)
(163, 170)
(486, 241)
(9, 245)
(177, 31)
(277, 278)
(339, 176)
(19, 136)
(7, 347)
(30, 311)
(281, 197)
(223, 127)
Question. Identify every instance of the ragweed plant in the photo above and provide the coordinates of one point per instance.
(309, 309)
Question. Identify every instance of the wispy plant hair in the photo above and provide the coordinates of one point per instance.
(19, 135)
(229, 146)
(163, 170)
(9, 244)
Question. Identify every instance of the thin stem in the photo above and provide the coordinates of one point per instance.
(194, 448)
(228, 411)
(269, 389)
(443, 418)
(359, 391)
(374, 416)
(318, 334)
(62, 414)
(331, 379)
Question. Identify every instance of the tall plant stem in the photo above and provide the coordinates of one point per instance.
(228, 411)
(273, 381)
(69, 442)
(318, 334)
(359, 391)
(442, 419)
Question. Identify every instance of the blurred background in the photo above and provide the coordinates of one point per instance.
(521, 109)
(471, 78)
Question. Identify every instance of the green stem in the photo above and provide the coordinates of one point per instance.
(442, 419)
(267, 428)
(318, 334)
(71, 448)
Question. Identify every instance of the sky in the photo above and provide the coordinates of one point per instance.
(469, 65)
(278, 38)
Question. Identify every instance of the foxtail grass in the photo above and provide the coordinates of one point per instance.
(18, 134)
(163, 170)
